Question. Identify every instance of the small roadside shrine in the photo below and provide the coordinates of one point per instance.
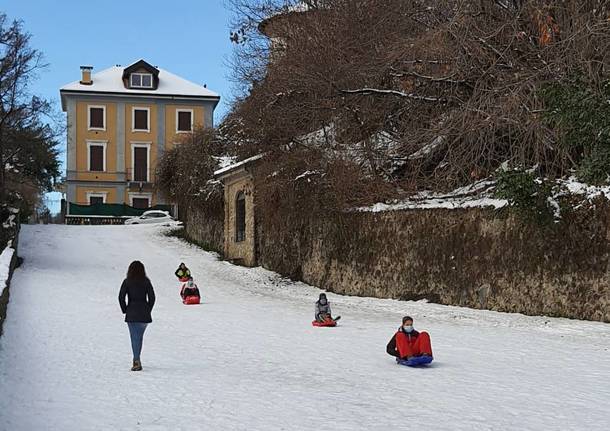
(239, 220)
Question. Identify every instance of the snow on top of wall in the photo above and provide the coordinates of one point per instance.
(476, 195)
(237, 165)
(471, 189)
(111, 81)
(479, 195)
(433, 203)
(579, 188)
(5, 263)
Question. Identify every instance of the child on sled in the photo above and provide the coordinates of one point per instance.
(183, 273)
(190, 292)
(407, 343)
(322, 310)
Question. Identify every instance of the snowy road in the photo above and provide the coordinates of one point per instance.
(249, 359)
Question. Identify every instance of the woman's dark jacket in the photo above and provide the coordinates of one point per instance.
(141, 300)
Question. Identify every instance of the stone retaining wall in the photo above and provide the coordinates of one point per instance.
(476, 258)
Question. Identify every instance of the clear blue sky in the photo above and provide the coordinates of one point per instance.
(187, 37)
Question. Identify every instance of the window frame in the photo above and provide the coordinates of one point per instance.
(191, 111)
(133, 118)
(102, 195)
(103, 107)
(135, 145)
(90, 144)
(141, 74)
(241, 195)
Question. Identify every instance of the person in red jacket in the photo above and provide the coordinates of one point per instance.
(407, 342)
(189, 289)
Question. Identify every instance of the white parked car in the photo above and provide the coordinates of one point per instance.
(153, 216)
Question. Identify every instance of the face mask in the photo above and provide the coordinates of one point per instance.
(408, 328)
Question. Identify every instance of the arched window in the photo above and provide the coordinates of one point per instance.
(240, 217)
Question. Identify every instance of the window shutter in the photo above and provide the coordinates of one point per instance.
(141, 119)
(140, 155)
(96, 118)
(184, 121)
(96, 158)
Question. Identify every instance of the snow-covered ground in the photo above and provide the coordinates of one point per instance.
(249, 359)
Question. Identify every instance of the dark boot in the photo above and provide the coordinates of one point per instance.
(137, 366)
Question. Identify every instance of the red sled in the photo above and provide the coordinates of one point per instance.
(184, 279)
(191, 300)
(327, 323)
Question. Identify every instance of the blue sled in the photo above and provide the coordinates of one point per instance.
(415, 361)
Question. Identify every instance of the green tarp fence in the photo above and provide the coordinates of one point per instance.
(111, 210)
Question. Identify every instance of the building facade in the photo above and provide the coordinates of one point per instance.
(120, 121)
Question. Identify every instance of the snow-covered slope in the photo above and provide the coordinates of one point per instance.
(249, 359)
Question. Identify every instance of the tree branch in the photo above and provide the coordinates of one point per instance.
(429, 78)
(370, 91)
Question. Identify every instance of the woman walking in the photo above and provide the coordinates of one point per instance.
(141, 299)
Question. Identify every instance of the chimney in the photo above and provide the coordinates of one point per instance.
(86, 75)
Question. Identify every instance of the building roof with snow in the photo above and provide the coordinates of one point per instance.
(115, 81)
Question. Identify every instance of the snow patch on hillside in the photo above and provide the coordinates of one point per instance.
(480, 195)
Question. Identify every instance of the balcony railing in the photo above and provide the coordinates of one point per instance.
(139, 175)
(98, 175)
(144, 176)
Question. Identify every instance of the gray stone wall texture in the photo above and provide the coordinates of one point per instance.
(206, 229)
(476, 258)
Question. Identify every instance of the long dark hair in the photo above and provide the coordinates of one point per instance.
(136, 271)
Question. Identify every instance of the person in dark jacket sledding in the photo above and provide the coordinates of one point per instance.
(141, 300)
(407, 342)
(322, 310)
(183, 273)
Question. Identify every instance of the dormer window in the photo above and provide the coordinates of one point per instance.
(141, 80)
(141, 75)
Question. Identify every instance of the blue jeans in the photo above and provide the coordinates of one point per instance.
(136, 332)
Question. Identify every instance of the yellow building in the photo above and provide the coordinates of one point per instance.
(120, 122)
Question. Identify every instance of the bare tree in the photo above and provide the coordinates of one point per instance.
(20, 111)
(417, 94)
